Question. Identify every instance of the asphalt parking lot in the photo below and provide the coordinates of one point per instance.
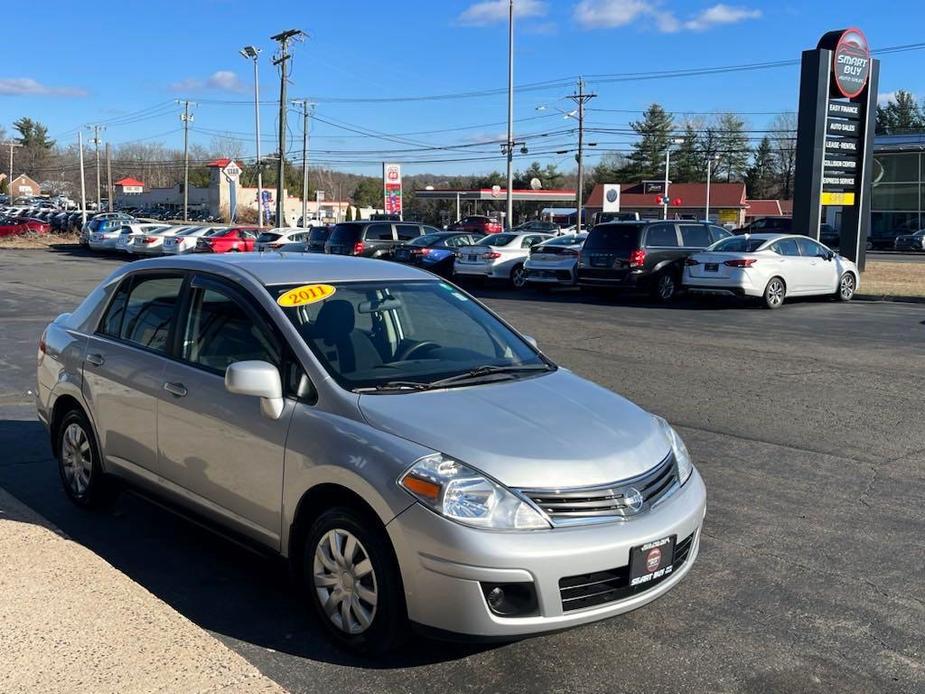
(805, 423)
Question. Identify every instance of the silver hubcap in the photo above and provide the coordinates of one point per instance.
(776, 293)
(518, 277)
(665, 286)
(345, 581)
(847, 286)
(76, 458)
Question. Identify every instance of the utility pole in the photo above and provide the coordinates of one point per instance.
(710, 162)
(252, 53)
(9, 184)
(282, 59)
(509, 219)
(96, 142)
(109, 175)
(187, 118)
(581, 98)
(307, 109)
(83, 185)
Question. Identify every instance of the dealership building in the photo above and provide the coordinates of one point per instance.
(898, 193)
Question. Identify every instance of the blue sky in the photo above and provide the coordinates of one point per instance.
(124, 63)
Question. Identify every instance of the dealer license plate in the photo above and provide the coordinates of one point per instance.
(652, 561)
(711, 267)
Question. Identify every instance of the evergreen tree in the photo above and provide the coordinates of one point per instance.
(732, 144)
(349, 216)
(901, 115)
(687, 162)
(761, 175)
(647, 160)
(33, 136)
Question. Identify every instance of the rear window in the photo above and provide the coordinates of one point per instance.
(268, 237)
(426, 240)
(695, 236)
(318, 234)
(379, 232)
(738, 244)
(345, 233)
(621, 238)
(496, 240)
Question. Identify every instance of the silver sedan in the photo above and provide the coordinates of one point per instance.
(415, 458)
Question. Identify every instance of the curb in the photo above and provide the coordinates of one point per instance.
(890, 298)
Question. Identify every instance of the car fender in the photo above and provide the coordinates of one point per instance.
(324, 448)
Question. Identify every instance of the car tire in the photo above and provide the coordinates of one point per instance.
(665, 286)
(78, 453)
(774, 293)
(518, 277)
(371, 604)
(847, 285)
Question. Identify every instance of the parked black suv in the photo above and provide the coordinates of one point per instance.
(370, 239)
(317, 237)
(643, 255)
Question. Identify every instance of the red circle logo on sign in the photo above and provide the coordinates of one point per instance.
(653, 559)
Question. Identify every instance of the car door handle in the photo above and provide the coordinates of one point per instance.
(96, 359)
(177, 389)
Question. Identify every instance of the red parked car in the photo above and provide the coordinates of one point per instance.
(36, 226)
(478, 224)
(11, 227)
(233, 240)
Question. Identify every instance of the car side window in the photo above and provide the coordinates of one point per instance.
(220, 331)
(718, 233)
(694, 236)
(379, 232)
(111, 323)
(662, 235)
(786, 247)
(810, 249)
(150, 310)
(406, 232)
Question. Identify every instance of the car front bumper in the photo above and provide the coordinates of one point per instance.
(443, 565)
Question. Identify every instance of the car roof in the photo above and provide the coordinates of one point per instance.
(771, 237)
(286, 268)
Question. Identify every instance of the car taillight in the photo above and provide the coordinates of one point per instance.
(691, 261)
(740, 262)
(568, 251)
(423, 251)
(359, 247)
(492, 255)
(638, 257)
(150, 239)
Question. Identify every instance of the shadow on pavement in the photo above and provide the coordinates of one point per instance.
(220, 586)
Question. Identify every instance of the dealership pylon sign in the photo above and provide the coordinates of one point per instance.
(391, 188)
(835, 137)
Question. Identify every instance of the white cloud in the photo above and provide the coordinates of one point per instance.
(883, 98)
(721, 14)
(607, 14)
(602, 14)
(26, 86)
(222, 80)
(494, 11)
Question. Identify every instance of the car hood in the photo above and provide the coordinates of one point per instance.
(551, 431)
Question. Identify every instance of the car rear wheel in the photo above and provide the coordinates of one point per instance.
(518, 277)
(353, 582)
(665, 286)
(775, 293)
(847, 285)
(79, 463)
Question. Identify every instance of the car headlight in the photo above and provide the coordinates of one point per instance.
(681, 455)
(462, 494)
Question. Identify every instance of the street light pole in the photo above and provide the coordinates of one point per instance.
(710, 161)
(667, 165)
(510, 116)
(252, 53)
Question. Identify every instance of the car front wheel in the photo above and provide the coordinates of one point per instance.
(847, 285)
(353, 582)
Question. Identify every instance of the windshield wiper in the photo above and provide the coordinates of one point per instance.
(394, 386)
(489, 370)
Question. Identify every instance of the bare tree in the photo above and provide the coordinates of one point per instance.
(783, 136)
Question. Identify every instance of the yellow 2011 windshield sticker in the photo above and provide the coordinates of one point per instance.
(306, 294)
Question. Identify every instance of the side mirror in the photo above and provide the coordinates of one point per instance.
(259, 379)
(532, 341)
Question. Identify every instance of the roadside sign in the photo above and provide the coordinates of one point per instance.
(837, 198)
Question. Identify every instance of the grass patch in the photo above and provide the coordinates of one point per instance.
(36, 241)
(883, 278)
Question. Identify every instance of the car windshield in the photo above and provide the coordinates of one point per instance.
(496, 240)
(425, 240)
(737, 244)
(406, 334)
(920, 232)
(318, 234)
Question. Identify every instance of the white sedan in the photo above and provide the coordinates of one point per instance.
(498, 256)
(184, 241)
(771, 266)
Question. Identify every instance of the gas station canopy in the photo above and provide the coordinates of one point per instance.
(498, 195)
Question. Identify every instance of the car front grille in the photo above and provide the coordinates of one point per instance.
(590, 590)
(609, 501)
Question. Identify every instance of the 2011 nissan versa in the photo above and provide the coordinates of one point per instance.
(418, 461)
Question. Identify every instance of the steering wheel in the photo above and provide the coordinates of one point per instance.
(428, 344)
